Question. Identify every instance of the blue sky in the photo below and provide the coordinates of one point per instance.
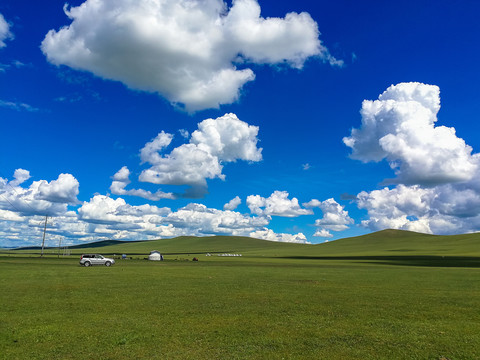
(288, 121)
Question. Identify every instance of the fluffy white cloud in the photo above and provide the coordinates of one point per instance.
(7, 215)
(228, 138)
(438, 190)
(232, 204)
(19, 177)
(197, 219)
(404, 207)
(268, 234)
(217, 141)
(185, 165)
(62, 190)
(5, 33)
(277, 204)
(323, 233)
(334, 218)
(444, 209)
(185, 50)
(105, 210)
(23, 209)
(41, 197)
(150, 152)
(103, 217)
(122, 178)
(400, 127)
(114, 218)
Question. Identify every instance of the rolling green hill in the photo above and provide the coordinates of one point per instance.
(197, 245)
(386, 295)
(405, 243)
(393, 243)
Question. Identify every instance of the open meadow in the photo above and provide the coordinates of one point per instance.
(283, 302)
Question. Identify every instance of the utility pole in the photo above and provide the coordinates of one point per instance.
(44, 230)
(59, 243)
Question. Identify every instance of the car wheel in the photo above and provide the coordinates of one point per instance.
(108, 263)
(87, 263)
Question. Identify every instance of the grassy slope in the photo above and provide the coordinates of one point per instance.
(259, 306)
(404, 243)
(237, 308)
(382, 243)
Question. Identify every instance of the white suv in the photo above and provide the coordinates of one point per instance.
(95, 259)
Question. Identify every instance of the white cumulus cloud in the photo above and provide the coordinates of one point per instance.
(228, 138)
(41, 197)
(122, 178)
(323, 233)
(437, 187)
(185, 50)
(444, 209)
(400, 127)
(277, 204)
(404, 207)
(197, 219)
(62, 190)
(268, 234)
(150, 152)
(216, 142)
(335, 217)
(102, 209)
(232, 204)
(7, 215)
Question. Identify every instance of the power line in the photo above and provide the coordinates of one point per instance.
(26, 203)
(11, 203)
(18, 195)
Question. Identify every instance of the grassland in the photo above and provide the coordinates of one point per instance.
(389, 295)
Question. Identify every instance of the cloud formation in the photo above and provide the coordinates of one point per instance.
(215, 142)
(400, 127)
(23, 208)
(121, 179)
(437, 187)
(268, 234)
(335, 218)
(323, 233)
(185, 50)
(102, 209)
(444, 209)
(5, 33)
(232, 204)
(277, 204)
(114, 217)
(18, 106)
(41, 197)
(200, 220)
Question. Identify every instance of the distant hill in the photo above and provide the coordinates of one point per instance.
(96, 244)
(399, 242)
(193, 245)
(382, 243)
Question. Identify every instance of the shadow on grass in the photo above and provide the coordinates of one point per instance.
(419, 260)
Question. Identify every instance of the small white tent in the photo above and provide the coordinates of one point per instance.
(155, 256)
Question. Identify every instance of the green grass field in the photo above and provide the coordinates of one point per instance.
(389, 295)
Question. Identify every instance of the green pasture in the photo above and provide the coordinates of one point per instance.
(275, 302)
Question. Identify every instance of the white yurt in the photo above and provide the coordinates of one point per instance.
(155, 256)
